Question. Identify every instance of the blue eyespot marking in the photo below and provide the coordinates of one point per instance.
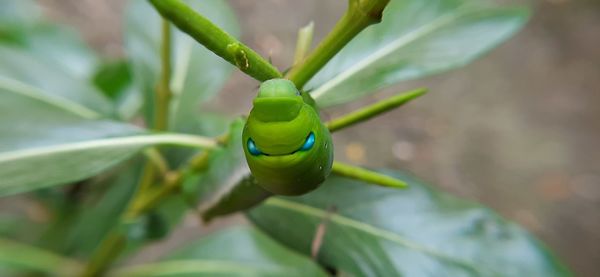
(308, 144)
(252, 148)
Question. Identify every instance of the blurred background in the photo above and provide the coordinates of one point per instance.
(518, 130)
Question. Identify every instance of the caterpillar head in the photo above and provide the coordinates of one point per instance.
(287, 147)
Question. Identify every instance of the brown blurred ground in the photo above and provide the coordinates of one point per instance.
(518, 130)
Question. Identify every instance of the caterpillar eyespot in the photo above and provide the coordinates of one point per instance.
(308, 143)
(281, 156)
(252, 148)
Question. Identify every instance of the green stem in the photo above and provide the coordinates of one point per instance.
(152, 197)
(359, 15)
(158, 161)
(144, 201)
(172, 183)
(147, 178)
(106, 253)
(113, 244)
(373, 110)
(366, 175)
(216, 39)
(163, 90)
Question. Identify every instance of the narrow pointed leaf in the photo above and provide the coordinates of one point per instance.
(415, 39)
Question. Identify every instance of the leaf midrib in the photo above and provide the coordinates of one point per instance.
(18, 87)
(368, 228)
(198, 266)
(142, 140)
(402, 41)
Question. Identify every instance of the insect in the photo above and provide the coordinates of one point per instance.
(287, 147)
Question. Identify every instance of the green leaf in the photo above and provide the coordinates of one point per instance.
(16, 225)
(240, 251)
(115, 79)
(17, 14)
(101, 212)
(22, 26)
(416, 38)
(49, 57)
(198, 74)
(24, 258)
(25, 74)
(8, 224)
(59, 46)
(419, 231)
(42, 145)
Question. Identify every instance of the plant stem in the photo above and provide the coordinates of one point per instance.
(359, 15)
(158, 161)
(113, 244)
(152, 197)
(163, 90)
(373, 110)
(144, 201)
(106, 253)
(216, 39)
(172, 183)
(366, 175)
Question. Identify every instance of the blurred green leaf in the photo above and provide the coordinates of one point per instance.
(100, 212)
(59, 46)
(419, 231)
(240, 251)
(25, 74)
(22, 257)
(416, 38)
(47, 61)
(198, 74)
(18, 226)
(42, 145)
(158, 223)
(8, 224)
(22, 26)
(113, 77)
(18, 14)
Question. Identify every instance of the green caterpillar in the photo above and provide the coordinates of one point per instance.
(287, 147)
